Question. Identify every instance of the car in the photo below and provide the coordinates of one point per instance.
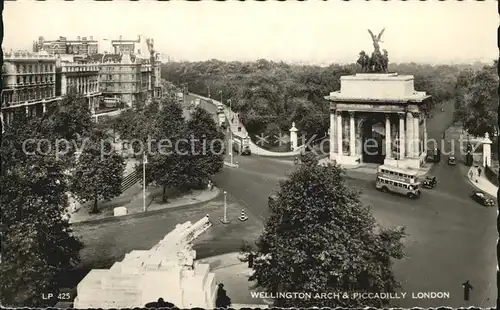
(483, 199)
(429, 182)
(452, 161)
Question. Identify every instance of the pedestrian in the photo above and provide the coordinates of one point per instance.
(467, 288)
(478, 172)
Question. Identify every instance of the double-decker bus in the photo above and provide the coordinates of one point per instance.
(398, 180)
(398, 174)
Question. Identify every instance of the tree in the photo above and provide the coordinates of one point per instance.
(319, 238)
(168, 163)
(71, 118)
(477, 101)
(207, 146)
(99, 171)
(38, 246)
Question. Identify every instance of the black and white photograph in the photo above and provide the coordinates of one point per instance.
(249, 154)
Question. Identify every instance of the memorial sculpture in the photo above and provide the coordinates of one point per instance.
(167, 273)
(378, 61)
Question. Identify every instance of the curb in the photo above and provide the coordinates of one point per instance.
(231, 165)
(142, 214)
(469, 179)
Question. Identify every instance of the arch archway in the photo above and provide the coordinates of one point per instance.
(372, 129)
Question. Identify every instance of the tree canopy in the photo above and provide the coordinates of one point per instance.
(98, 173)
(319, 238)
(476, 104)
(265, 92)
(38, 245)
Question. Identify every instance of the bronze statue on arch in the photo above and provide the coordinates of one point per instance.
(378, 62)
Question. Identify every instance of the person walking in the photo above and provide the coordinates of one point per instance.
(479, 172)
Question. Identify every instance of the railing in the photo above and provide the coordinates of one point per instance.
(13, 56)
(130, 180)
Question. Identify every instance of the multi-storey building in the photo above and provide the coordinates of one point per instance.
(34, 81)
(125, 78)
(62, 46)
(125, 46)
(37, 81)
(29, 81)
(79, 77)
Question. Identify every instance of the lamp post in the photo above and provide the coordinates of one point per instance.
(230, 133)
(224, 220)
(225, 207)
(144, 162)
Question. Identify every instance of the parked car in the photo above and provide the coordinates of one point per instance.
(483, 199)
(429, 182)
(452, 160)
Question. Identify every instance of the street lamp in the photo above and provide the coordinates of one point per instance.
(230, 133)
(144, 162)
(224, 219)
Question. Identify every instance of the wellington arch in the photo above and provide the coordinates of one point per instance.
(378, 118)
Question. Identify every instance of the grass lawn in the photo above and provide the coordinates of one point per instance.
(108, 241)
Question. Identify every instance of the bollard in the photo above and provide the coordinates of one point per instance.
(243, 217)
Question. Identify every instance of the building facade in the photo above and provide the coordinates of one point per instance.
(80, 46)
(79, 77)
(29, 82)
(129, 78)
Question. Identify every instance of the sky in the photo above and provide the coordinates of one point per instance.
(311, 32)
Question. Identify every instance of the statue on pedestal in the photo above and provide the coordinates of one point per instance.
(378, 62)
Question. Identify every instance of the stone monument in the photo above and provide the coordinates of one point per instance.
(487, 150)
(374, 99)
(293, 137)
(166, 271)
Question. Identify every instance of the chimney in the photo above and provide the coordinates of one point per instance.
(91, 38)
(78, 38)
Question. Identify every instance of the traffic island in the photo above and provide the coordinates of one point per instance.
(235, 165)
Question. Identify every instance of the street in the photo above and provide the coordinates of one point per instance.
(450, 237)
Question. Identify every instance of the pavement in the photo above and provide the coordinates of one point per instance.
(372, 169)
(132, 199)
(234, 274)
(481, 182)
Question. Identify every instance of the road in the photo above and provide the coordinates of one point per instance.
(450, 238)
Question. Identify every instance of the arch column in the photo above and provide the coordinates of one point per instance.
(388, 141)
(424, 129)
(352, 134)
(332, 133)
(416, 134)
(410, 138)
(339, 135)
(402, 134)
